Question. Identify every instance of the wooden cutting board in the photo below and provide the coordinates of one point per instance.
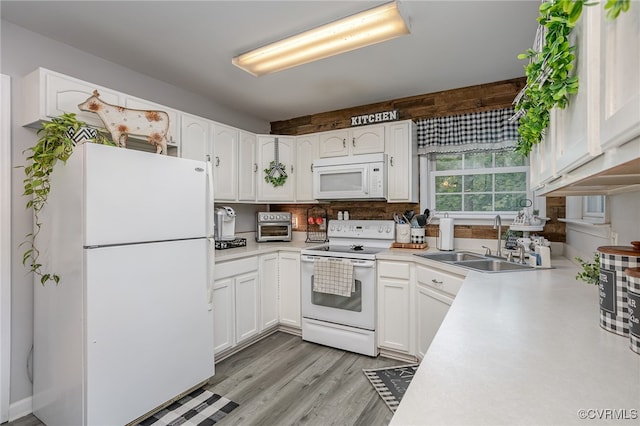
(410, 245)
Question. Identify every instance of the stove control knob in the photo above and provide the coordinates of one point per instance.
(388, 229)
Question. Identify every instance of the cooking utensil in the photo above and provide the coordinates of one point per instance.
(421, 219)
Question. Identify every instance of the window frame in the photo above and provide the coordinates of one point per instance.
(428, 176)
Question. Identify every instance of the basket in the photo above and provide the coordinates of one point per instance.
(316, 225)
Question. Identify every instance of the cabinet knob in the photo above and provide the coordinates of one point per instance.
(391, 161)
(255, 167)
(217, 161)
(344, 143)
(353, 142)
(292, 168)
(311, 168)
(437, 283)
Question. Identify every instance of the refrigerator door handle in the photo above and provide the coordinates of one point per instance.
(212, 244)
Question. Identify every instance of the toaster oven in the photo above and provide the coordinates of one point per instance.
(273, 226)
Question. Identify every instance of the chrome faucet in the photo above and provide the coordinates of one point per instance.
(497, 224)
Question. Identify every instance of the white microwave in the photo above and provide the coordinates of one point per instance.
(353, 177)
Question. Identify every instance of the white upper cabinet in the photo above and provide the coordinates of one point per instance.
(225, 162)
(620, 77)
(47, 94)
(589, 148)
(195, 136)
(306, 153)
(402, 161)
(286, 156)
(353, 141)
(247, 166)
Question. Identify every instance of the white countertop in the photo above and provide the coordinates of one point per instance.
(523, 348)
(254, 248)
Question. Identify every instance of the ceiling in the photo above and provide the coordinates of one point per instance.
(190, 44)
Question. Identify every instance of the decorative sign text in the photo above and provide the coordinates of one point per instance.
(376, 117)
(608, 290)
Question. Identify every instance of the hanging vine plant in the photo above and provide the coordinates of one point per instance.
(55, 144)
(549, 78)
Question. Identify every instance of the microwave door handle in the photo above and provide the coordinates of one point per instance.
(365, 176)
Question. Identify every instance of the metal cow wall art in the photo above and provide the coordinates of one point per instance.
(122, 122)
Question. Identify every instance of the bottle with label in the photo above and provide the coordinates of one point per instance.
(345, 215)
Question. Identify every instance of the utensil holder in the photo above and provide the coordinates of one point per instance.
(403, 233)
(417, 235)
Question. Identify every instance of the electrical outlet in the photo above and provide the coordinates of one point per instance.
(614, 238)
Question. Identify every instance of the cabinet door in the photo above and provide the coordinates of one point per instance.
(402, 158)
(223, 315)
(334, 143)
(194, 137)
(247, 306)
(247, 166)
(289, 283)
(394, 320)
(576, 127)
(225, 162)
(619, 81)
(306, 153)
(266, 154)
(367, 139)
(174, 116)
(268, 290)
(431, 308)
(62, 94)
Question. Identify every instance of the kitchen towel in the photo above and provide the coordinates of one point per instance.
(333, 276)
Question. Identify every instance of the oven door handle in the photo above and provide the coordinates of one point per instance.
(360, 263)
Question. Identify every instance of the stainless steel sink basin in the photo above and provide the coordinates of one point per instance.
(452, 256)
(477, 262)
(493, 265)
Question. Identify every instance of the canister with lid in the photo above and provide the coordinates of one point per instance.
(633, 304)
(614, 312)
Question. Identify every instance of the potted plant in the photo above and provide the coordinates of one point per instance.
(590, 270)
(57, 139)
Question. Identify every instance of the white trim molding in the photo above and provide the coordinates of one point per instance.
(5, 246)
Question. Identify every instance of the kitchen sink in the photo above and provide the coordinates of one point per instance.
(453, 256)
(477, 262)
(493, 265)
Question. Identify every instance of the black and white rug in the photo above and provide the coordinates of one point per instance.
(199, 408)
(391, 382)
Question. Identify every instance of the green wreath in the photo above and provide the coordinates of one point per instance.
(275, 174)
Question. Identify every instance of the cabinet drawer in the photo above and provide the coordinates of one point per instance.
(393, 269)
(438, 280)
(235, 267)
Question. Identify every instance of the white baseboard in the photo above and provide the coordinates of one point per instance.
(20, 408)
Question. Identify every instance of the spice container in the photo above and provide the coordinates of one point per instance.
(633, 305)
(614, 260)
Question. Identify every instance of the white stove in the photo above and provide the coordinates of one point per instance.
(355, 239)
(344, 322)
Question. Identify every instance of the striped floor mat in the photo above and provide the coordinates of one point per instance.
(391, 383)
(199, 408)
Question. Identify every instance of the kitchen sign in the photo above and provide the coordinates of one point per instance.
(376, 117)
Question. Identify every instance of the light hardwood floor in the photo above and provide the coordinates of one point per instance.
(283, 380)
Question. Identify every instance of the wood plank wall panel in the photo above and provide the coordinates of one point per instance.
(478, 98)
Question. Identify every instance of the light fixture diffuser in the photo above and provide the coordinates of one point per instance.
(362, 29)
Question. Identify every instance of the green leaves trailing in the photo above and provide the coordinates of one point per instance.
(53, 145)
(590, 270)
(550, 81)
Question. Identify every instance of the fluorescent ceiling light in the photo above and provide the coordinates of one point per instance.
(363, 29)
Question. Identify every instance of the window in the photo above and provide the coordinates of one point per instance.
(594, 208)
(477, 184)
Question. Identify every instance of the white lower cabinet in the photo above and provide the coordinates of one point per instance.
(434, 294)
(289, 289)
(395, 325)
(236, 307)
(269, 290)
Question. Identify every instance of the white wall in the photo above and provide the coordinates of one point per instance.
(23, 51)
(583, 240)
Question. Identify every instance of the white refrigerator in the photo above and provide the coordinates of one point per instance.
(129, 327)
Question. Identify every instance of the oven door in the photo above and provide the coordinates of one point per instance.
(273, 231)
(358, 310)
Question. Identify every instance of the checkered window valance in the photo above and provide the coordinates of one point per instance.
(478, 131)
